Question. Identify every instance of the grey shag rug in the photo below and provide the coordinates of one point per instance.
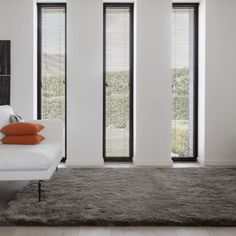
(129, 196)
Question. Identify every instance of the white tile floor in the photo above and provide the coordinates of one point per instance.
(117, 231)
(131, 165)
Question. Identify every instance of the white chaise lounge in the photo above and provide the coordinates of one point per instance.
(31, 162)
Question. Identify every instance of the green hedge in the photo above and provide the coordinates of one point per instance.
(117, 99)
(180, 141)
(180, 79)
(117, 104)
(53, 98)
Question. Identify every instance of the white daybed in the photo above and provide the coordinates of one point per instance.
(32, 162)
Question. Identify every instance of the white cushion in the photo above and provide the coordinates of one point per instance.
(29, 157)
(5, 112)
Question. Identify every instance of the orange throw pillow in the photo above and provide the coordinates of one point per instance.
(23, 139)
(22, 128)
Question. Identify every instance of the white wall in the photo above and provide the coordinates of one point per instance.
(16, 24)
(85, 52)
(85, 46)
(153, 83)
(201, 81)
(220, 83)
(85, 73)
(217, 83)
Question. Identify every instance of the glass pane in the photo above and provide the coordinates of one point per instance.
(117, 81)
(53, 63)
(183, 82)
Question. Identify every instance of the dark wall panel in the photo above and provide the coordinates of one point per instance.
(5, 71)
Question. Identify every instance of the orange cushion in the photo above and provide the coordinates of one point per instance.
(23, 139)
(22, 128)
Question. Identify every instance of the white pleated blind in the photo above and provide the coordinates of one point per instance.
(117, 38)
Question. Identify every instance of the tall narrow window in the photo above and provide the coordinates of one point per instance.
(52, 61)
(184, 81)
(118, 82)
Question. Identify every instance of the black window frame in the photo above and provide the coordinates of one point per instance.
(39, 64)
(195, 6)
(131, 75)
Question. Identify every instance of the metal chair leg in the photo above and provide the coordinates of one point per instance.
(39, 189)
